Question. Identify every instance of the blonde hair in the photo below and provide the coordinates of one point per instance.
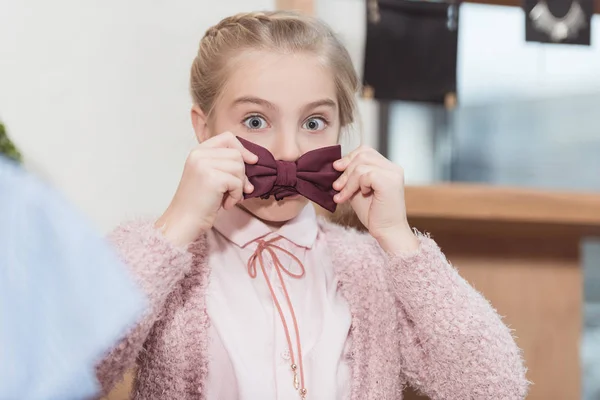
(278, 31)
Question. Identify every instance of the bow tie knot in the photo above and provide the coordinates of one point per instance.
(286, 173)
(312, 175)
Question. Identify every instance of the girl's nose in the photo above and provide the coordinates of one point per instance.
(286, 148)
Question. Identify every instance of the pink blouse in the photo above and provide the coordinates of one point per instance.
(249, 355)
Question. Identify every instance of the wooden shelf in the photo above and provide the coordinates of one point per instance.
(483, 202)
(498, 209)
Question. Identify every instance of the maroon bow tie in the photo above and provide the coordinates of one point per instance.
(312, 175)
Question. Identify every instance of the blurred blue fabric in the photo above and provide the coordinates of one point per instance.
(65, 297)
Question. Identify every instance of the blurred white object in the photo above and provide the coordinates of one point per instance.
(65, 298)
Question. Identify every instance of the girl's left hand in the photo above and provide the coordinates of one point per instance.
(375, 188)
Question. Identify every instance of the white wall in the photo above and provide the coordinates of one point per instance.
(95, 95)
(497, 64)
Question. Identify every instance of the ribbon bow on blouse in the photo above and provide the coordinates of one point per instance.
(312, 175)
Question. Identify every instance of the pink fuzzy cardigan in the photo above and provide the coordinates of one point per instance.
(414, 321)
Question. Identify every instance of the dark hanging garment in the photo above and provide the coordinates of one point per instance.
(411, 51)
(558, 21)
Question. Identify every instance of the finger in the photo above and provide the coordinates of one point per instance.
(236, 193)
(218, 154)
(223, 153)
(357, 160)
(349, 189)
(228, 140)
(366, 181)
(231, 186)
(372, 157)
(341, 182)
(342, 163)
(361, 156)
(353, 184)
(233, 167)
(231, 199)
(227, 160)
(378, 180)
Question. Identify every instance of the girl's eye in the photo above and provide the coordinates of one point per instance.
(314, 124)
(255, 122)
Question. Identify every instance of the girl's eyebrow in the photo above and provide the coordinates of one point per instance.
(324, 102)
(254, 100)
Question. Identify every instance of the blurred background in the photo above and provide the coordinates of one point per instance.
(94, 94)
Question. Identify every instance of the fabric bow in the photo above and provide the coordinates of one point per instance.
(312, 175)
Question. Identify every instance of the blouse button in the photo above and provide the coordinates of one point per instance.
(285, 355)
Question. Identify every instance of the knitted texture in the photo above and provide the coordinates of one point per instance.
(414, 321)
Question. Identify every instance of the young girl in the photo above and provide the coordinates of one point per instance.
(258, 298)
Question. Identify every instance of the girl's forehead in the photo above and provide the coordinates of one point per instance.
(281, 79)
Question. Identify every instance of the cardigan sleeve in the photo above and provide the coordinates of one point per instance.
(453, 343)
(157, 266)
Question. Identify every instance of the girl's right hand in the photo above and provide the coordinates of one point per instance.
(213, 177)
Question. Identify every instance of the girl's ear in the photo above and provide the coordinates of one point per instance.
(199, 122)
